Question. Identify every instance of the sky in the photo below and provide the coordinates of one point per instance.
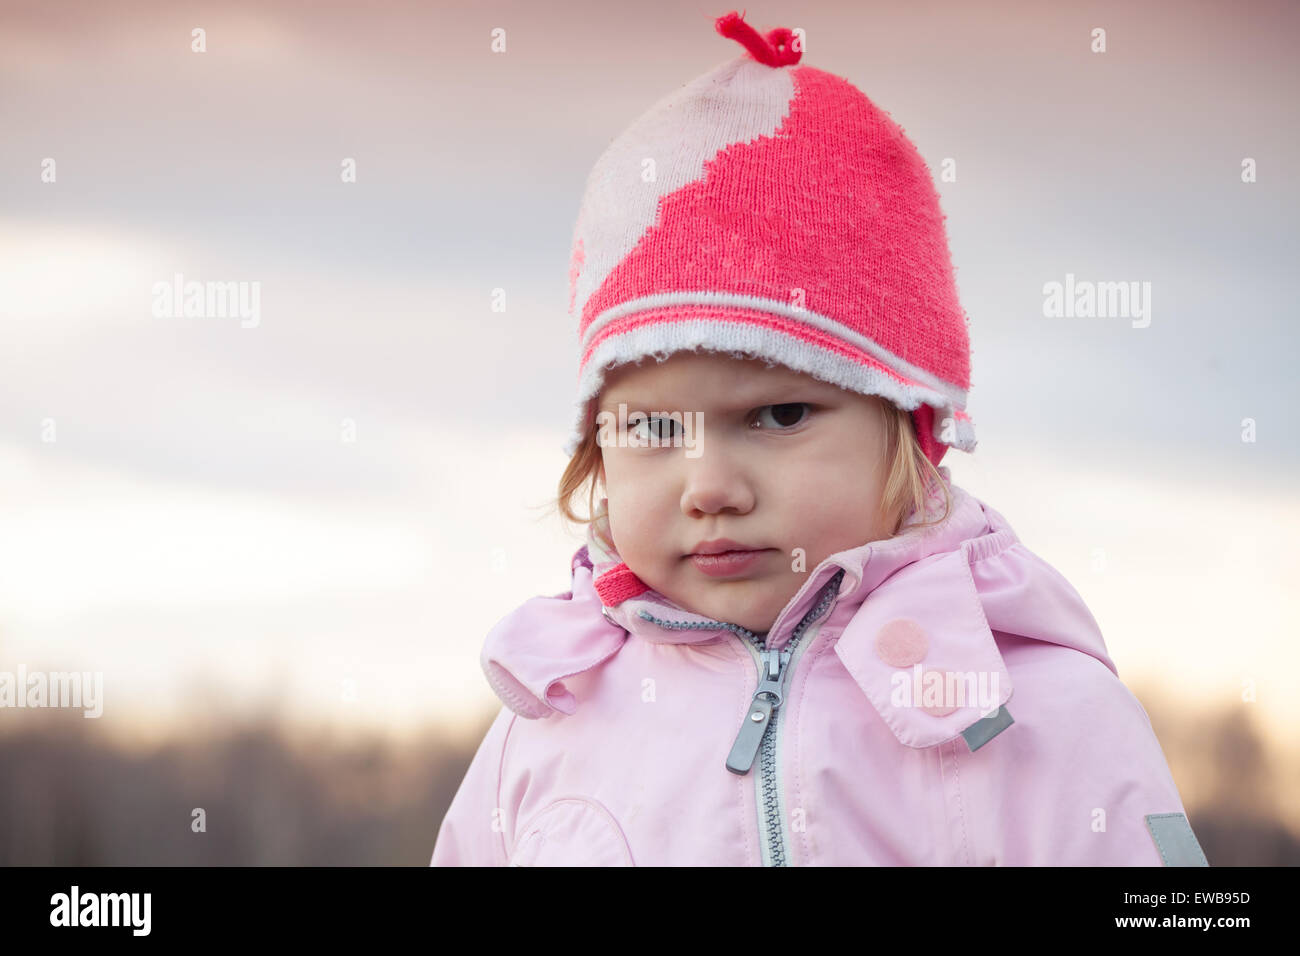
(331, 507)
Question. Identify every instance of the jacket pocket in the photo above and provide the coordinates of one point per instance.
(571, 831)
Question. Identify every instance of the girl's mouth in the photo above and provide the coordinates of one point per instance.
(728, 563)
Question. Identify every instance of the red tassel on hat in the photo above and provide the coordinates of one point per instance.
(774, 49)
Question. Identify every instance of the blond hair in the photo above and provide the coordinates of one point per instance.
(908, 476)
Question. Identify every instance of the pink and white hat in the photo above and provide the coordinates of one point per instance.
(773, 211)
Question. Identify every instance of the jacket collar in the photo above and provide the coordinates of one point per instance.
(921, 577)
(641, 610)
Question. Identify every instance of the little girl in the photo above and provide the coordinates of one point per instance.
(790, 639)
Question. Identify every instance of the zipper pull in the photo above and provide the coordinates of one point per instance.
(766, 699)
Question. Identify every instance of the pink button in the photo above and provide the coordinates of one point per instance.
(942, 709)
(938, 711)
(902, 643)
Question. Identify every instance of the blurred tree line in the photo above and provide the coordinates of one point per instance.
(275, 798)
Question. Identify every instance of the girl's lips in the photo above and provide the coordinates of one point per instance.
(727, 563)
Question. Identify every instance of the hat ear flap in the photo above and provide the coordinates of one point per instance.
(923, 423)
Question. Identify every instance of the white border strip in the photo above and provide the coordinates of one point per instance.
(748, 340)
(952, 393)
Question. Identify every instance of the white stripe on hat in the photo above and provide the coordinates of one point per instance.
(681, 132)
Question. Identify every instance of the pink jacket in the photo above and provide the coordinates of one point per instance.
(640, 734)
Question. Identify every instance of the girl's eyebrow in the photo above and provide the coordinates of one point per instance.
(758, 397)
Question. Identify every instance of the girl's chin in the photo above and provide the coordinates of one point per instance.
(741, 613)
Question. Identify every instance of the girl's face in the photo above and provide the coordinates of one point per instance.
(782, 462)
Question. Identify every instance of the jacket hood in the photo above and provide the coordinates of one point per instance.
(922, 577)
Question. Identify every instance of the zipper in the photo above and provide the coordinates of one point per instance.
(761, 723)
(757, 739)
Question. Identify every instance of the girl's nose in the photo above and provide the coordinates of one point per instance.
(715, 482)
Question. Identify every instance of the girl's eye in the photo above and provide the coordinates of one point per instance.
(785, 415)
(661, 429)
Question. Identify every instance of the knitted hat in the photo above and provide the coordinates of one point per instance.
(772, 211)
